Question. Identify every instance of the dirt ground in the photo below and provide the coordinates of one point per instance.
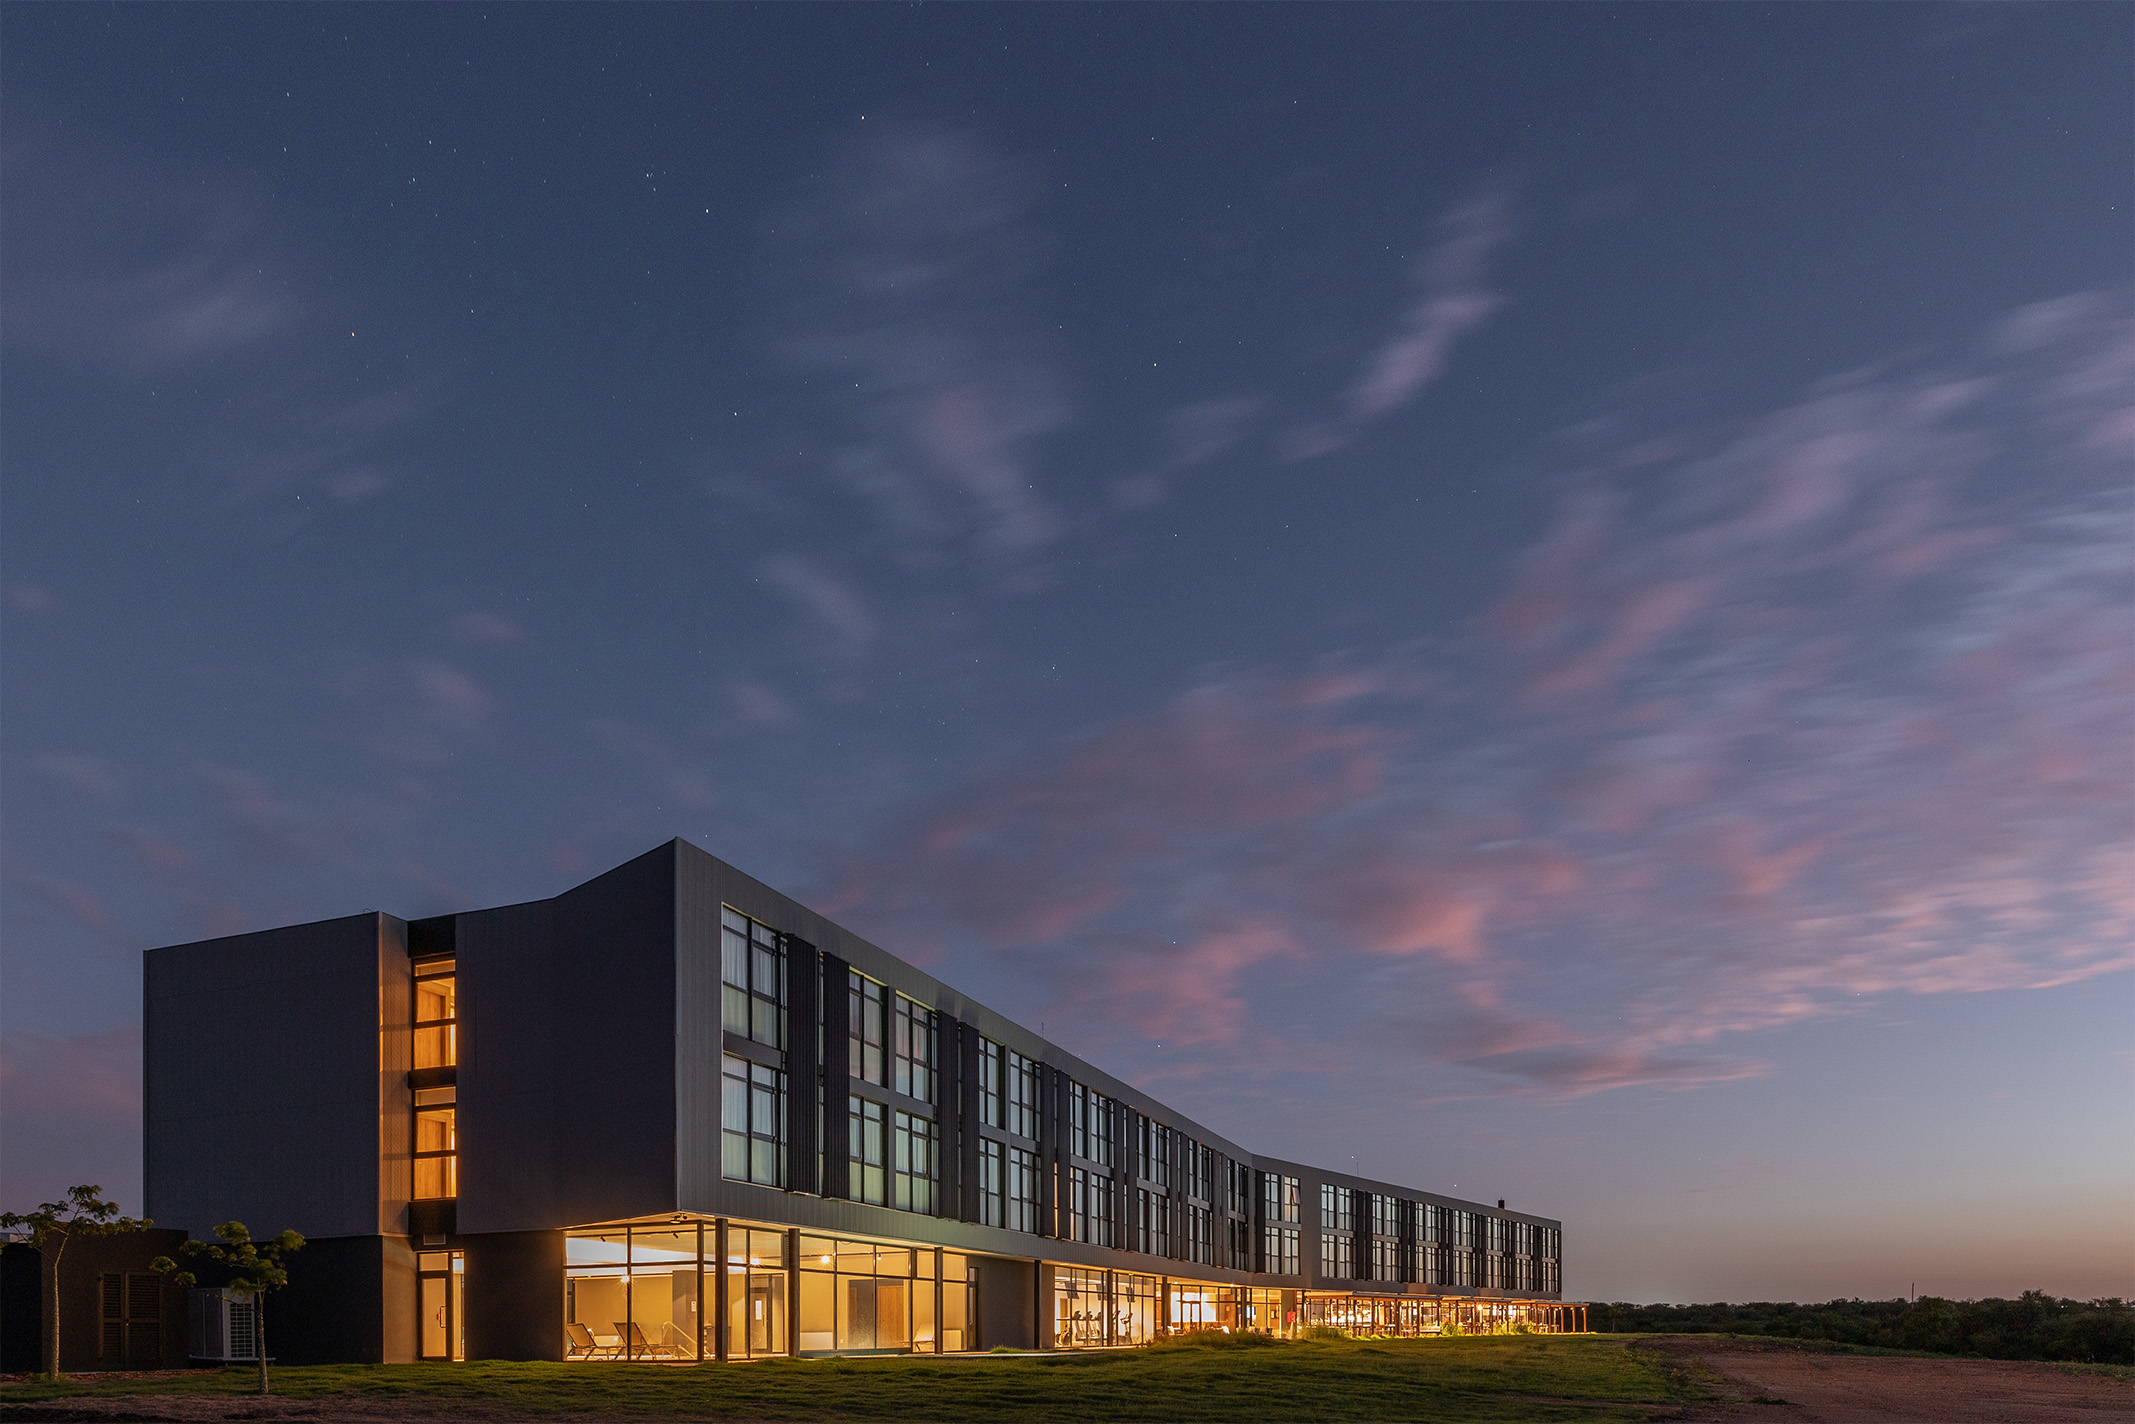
(1781, 1384)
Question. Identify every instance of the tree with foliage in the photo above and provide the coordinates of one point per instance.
(51, 1227)
(257, 1267)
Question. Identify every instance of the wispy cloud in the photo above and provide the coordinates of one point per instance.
(118, 272)
(1776, 718)
(1451, 296)
(912, 258)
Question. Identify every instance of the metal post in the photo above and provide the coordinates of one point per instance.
(793, 1292)
(720, 1324)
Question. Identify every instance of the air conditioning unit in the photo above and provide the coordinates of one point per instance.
(225, 1326)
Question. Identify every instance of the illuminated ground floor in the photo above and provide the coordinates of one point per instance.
(688, 1290)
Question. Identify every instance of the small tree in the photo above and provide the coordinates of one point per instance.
(51, 1227)
(258, 1267)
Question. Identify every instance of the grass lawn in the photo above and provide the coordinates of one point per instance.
(1519, 1377)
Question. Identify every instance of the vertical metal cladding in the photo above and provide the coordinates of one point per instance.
(837, 1073)
(809, 986)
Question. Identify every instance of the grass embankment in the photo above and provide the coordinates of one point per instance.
(1536, 1377)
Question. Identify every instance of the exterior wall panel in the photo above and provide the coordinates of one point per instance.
(263, 1083)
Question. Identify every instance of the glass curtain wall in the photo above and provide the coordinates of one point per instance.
(861, 1297)
(758, 1292)
(646, 1292)
(635, 1293)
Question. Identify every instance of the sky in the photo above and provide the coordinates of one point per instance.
(1531, 601)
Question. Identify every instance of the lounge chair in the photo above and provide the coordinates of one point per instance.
(636, 1346)
(580, 1343)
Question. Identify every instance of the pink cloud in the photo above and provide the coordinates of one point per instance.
(1451, 303)
(1850, 721)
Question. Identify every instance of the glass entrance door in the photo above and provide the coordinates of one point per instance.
(440, 1300)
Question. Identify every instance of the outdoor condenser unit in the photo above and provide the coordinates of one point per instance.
(224, 1325)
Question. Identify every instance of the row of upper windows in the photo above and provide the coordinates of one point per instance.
(893, 1041)
(1439, 1225)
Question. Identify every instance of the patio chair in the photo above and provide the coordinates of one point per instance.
(580, 1343)
(677, 1339)
(636, 1346)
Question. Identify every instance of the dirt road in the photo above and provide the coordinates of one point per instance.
(1779, 1384)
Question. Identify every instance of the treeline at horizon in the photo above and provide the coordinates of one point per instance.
(2034, 1326)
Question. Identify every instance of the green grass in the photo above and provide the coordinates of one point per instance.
(1537, 1377)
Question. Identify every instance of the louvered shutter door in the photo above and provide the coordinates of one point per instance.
(111, 1316)
(144, 1320)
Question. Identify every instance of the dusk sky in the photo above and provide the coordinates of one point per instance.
(1533, 601)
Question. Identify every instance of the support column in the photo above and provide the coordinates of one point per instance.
(837, 1076)
(793, 1292)
(720, 1323)
(804, 1067)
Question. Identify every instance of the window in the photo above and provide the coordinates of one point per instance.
(752, 1122)
(864, 1027)
(1238, 1194)
(1238, 1240)
(1152, 1222)
(1008, 1186)
(1336, 1258)
(1280, 1198)
(1022, 1190)
(437, 1032)
(1337, 1208)
(436, 1144)
(1200, 1247)
(1385, 1259)
(1090, 1125)
(752, 972)
(912, 1164)
(1200, 1165)
(1153, 1151)
(1385, 1215)
(1089, 1207)
(912, 1049)
(990, 1175)
(866, 1126)
(1279, 1245)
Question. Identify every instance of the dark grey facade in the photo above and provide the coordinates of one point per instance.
(592, 1081)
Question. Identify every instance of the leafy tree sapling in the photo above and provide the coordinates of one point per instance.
(51, 1227)
(259, 1269)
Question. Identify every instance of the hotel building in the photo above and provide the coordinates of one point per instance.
(672, 1114)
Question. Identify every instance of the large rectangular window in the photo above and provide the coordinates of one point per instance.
(1199, 1243)
(1090, 1117)
(912, 1049)
(1021, 1192)
(1152, 1222)
(866, 1028)
(990, 1082)
(436, 1144)
(912, 1164)
(1089, 1206)
(1337, 1208)
(868, 1133)
(1337, 1258)
(992, 1170)
(1153, 1151)
(1008, 1090)
(752, 973)
(1281, 1206)
(1279, 1250)
(1238, 1240)
(752, 1122)
(437, 1033)
(1008, 1186)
